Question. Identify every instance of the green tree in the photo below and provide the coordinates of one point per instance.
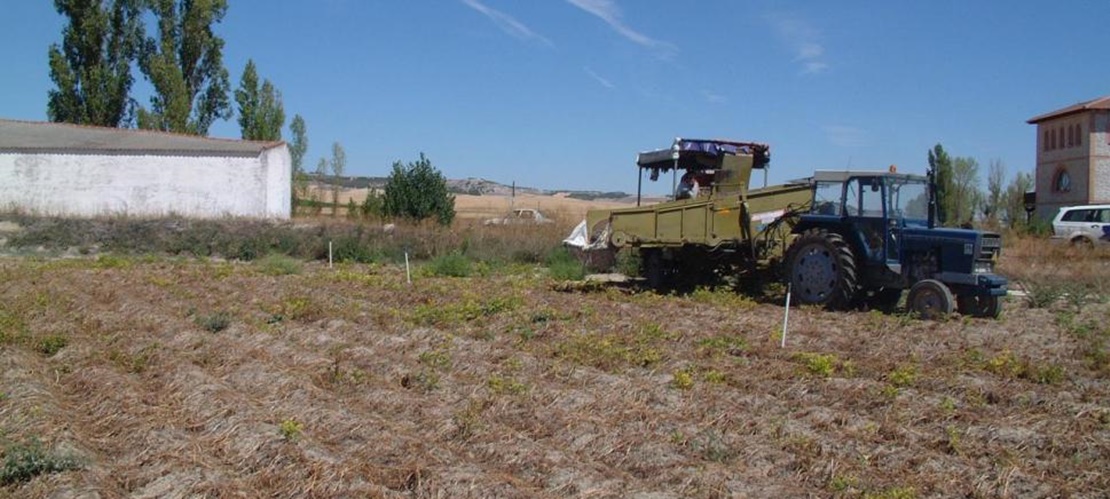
(352, 209)
(418, 191)
(338, 166)
(1013, 209)
(298, 146)
(373, 205)
(321, 177)
(941, 164)
(996, 191)
(261, 114)
(964, 197)
(185, 66)
(92, 68)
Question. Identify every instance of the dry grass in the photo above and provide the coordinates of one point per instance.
(350, 383)
(1039, 264)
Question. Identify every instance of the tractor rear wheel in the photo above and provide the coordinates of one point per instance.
(931, 300)
(822, 270)
(980, 306)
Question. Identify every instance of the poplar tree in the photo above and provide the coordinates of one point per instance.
(941, 164)
(338, 166)
(261, 114)
(185, 66)
(91, 69)
(298, 147)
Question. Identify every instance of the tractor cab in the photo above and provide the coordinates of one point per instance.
(873, 207)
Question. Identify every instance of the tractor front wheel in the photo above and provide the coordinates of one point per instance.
(931, 300)
(822, 270)
(980, 306)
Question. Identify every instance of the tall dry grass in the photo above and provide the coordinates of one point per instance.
(1037, 261)
(309, 238)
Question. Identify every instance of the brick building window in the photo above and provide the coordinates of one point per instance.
(1061, 182)
(1078, 135)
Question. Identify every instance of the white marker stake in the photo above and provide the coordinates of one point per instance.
(329, 254)
(408, 274)
(786, 316)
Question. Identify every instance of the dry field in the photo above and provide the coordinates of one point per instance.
(158, 377)
(468, 207)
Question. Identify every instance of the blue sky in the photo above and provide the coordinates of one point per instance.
(563, 93)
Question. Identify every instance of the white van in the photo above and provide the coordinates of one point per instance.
(1082, 224)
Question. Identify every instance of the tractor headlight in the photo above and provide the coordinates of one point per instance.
(982, 267)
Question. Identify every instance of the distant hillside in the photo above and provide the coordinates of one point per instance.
(474, 187)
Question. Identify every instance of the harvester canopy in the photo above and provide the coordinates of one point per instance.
(700, 154)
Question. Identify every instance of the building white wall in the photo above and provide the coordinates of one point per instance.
(147, 185)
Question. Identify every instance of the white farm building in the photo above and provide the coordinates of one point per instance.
(84, 171)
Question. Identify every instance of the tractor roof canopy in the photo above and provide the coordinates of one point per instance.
(698, 154)
(843, 175)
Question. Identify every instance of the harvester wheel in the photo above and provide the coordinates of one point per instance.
(931, 300)
(653, 268)
(979, 306)
(822, 270)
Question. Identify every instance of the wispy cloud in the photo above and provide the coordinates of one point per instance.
(713, 98)
(602, 81)
(507, 23)
(803, 39)
(610, 12)
(846, 136)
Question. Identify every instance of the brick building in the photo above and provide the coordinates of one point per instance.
(1073, 156)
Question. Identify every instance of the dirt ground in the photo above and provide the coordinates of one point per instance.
(176, 378)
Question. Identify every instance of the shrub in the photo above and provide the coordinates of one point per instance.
(564, 266)
(450, 265)
(683, 379)
(903, 376)
(291, 429)
(502, 385)
(821, 365)
(418, 191)
(23, 462)
(52, 344)
(1042, 295)
(351, 248)
(214, 323)
(275, 264)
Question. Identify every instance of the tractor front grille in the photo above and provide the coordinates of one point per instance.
(991, 247)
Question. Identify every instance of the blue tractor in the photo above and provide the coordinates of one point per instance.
(868, 236)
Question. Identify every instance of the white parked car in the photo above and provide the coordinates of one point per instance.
(520, 216)
(1082, 225)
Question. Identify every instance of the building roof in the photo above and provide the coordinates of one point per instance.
(40, 137)
(1099, 103)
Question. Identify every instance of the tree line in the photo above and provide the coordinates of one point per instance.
(182, 59)
(961, 202)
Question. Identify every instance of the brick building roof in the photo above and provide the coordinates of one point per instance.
(1099, 103)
